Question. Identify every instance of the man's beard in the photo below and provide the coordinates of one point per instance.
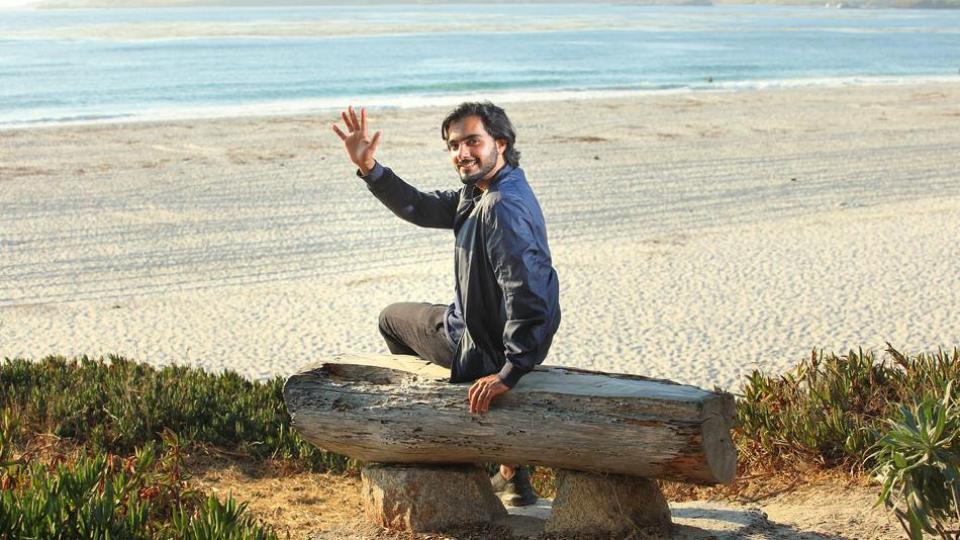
(486, 165)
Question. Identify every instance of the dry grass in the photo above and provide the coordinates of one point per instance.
(758, 485)
(294, 501)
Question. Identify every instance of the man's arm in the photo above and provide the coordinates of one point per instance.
(435, 209)
(517, 250)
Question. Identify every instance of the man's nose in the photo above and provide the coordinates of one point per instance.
(463, 152)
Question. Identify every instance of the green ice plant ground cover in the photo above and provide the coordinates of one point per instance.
(128, 425)
(100, 495)
(116, 405)
(131, 422)
(897, 418)
(832, 409)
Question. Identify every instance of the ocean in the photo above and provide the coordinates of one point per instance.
(69, 66)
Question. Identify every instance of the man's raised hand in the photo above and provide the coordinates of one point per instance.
(359, 146)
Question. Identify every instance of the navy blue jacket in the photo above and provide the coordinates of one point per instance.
(506, 283)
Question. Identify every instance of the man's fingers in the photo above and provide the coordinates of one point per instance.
(375, 141)
(342, 135)
(346, 121)
(483, 391)
(485, 402)
(353, 117)
(363, 122)
(476, 396)
(471, 395)
(483, 398)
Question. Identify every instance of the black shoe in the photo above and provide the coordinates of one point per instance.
(516, 491)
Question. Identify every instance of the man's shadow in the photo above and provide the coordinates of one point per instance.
(713, 522)
(690, 521)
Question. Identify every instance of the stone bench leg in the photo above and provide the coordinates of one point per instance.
(606, 504)
(427, 498)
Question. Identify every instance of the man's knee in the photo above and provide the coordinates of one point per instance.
(395, 328)
(384, 320)
(390, 316)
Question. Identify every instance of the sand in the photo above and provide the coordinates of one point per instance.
(328, 507)
(697, 236)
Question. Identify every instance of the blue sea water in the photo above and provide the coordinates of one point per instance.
(90, 65)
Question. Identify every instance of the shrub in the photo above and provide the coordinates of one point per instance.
(99, 495)
(918, 465)
(830, 409)
(115, 405)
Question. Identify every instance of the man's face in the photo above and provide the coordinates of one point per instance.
(475, 154)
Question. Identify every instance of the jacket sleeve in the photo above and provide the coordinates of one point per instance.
(435, 209)
(517, 249)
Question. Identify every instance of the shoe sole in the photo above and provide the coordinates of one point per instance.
(514, 501)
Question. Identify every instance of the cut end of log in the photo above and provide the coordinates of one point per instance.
(718, 443)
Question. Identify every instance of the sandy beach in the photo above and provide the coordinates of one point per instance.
(697, 236)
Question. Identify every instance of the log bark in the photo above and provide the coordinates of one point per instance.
(400, 409)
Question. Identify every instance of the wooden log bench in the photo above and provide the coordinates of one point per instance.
(610, 436)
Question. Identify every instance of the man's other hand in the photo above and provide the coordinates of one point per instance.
(483, 391)
(359, 146)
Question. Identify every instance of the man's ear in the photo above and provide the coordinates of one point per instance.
(501, 145)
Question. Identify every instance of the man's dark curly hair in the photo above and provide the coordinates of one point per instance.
(494, 120)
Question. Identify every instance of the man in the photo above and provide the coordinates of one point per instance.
(505, 309)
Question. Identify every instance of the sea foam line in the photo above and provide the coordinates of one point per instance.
(323, 105)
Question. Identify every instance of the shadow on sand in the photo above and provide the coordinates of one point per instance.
(696, 520)
(692, 520)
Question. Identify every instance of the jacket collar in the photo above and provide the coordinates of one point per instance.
(471, 192)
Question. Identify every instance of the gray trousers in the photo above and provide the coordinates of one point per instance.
(416, 328)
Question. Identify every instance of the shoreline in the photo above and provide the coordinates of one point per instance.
(282, 109)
